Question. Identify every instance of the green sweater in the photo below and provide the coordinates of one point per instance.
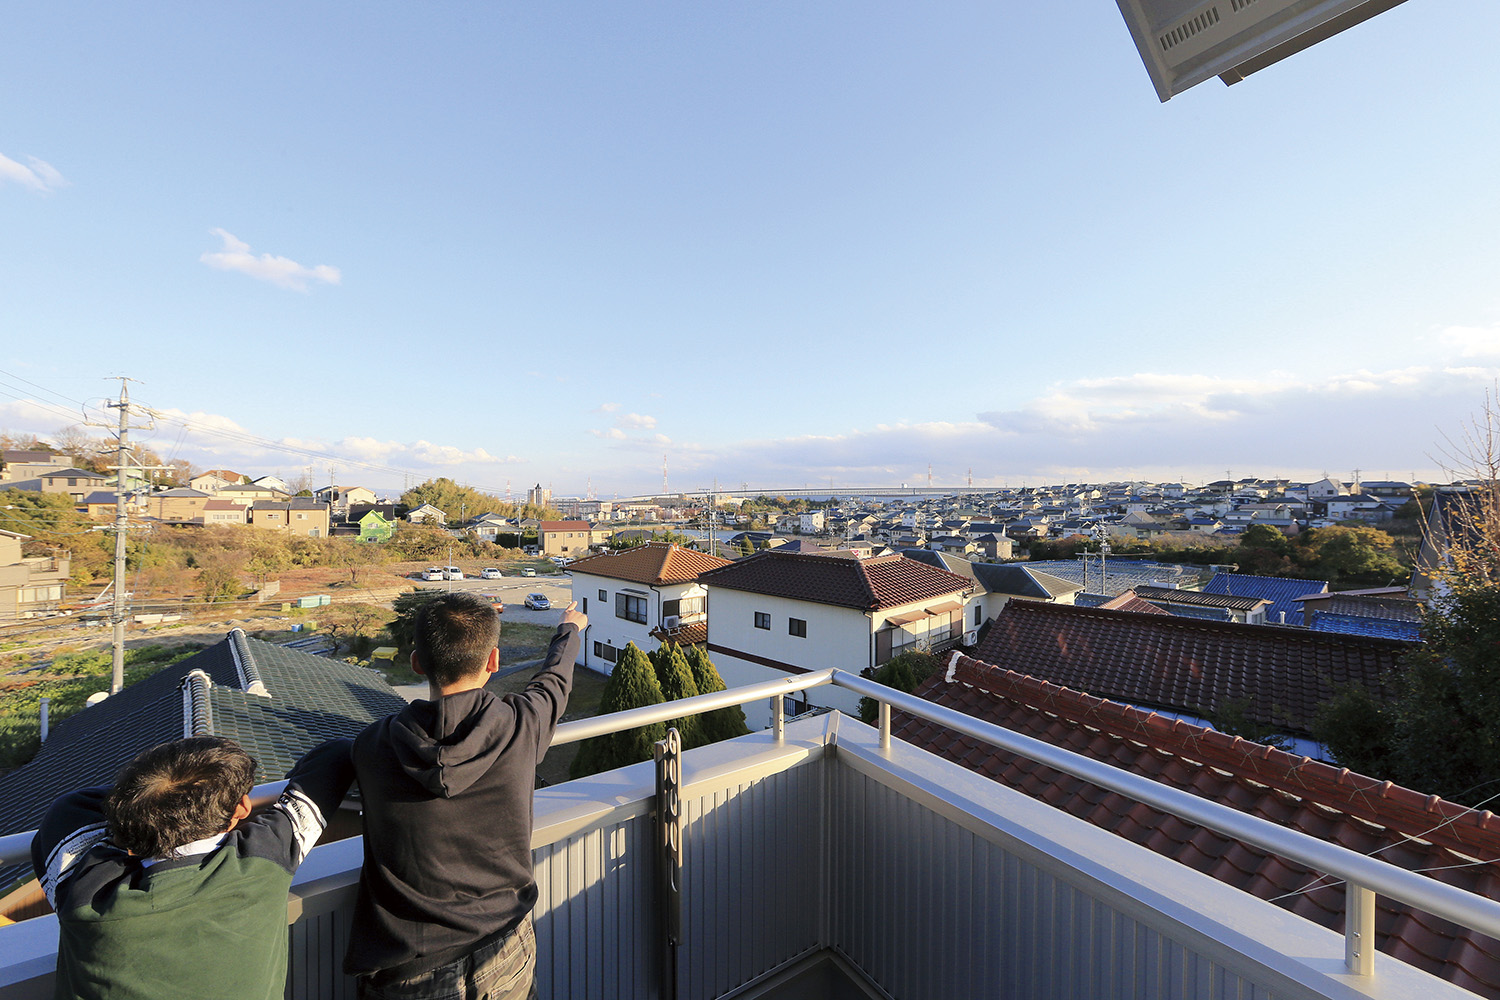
(209, 924)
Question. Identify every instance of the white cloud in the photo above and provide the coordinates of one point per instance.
(636, 421)
(606, 408)
(1472, 341)
(39, 176)
(427, 453)
(1149, 425)
(280, 271)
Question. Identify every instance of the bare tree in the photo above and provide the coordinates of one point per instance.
(1461, 537)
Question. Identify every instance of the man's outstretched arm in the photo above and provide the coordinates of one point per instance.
(550, 686)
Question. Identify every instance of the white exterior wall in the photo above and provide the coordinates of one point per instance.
(606, 628)
(836, 637)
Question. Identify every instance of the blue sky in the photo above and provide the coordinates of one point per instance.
(779, 243)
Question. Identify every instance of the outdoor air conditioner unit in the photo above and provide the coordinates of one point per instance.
(1184, 42)
(671, 621)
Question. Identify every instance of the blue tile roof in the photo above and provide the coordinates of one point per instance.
(1379, 628)
(1282, 592)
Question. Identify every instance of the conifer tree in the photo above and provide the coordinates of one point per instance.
(633, 684)
(676, 679)
(722, 723)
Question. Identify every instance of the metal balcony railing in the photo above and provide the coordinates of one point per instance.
(1364, 876)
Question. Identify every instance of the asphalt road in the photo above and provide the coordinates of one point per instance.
(512, 590)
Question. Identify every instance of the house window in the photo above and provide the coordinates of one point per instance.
(585, 605)
(603, 596)
(630, 608)
(683, 607)
(797, 627)
(976, 616)
(302, 517)
(762, 619)
(606, 652)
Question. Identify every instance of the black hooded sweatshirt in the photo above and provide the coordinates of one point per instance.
(447, 788)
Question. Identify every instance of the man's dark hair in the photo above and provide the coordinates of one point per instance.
(454, 636)
(176, 793)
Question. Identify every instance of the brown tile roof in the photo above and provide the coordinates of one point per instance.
(562, 526)
(691, 634)
(1406, 828)
(1129, 602)
(881, 582)
(1187, 664)
(654, 562)
(1172, 595)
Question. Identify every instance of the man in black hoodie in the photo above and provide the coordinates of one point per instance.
(446, 893)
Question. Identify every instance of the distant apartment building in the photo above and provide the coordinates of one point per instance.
(539, 497)
(177, 506)
(564, 538)
(300, 516)
(28, 584)
(22, 464)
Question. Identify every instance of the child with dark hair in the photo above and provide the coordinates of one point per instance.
(165, 885)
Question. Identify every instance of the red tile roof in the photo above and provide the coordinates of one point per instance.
(654, 562)
(1187, 664)
(881, 582)
(1406, 828)
(562, 526)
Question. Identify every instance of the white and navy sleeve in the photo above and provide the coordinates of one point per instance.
(73, 826)
(288, 830)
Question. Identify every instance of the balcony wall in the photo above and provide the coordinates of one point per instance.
(921, 878)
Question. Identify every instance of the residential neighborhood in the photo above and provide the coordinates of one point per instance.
(1177, 630)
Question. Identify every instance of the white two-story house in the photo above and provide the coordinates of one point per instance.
(778, 613)
(641, 595)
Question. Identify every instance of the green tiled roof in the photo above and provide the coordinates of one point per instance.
(308, 699)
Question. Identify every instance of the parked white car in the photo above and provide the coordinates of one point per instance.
(453, 573)
(489, 573)
(433, 573)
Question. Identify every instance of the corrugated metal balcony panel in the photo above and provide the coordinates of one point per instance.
(751, 878)
(594, 913)
(751, 835)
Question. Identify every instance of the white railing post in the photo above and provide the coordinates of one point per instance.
(778, 718)
(885, 725)
(1359, 929)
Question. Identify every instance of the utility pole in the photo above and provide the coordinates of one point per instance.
(122, 465)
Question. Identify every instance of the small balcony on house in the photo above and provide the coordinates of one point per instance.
(823, 858)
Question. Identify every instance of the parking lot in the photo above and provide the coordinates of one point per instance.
(512, 591)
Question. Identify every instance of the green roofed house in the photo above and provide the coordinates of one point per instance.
(277, 702)
(374, 528)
